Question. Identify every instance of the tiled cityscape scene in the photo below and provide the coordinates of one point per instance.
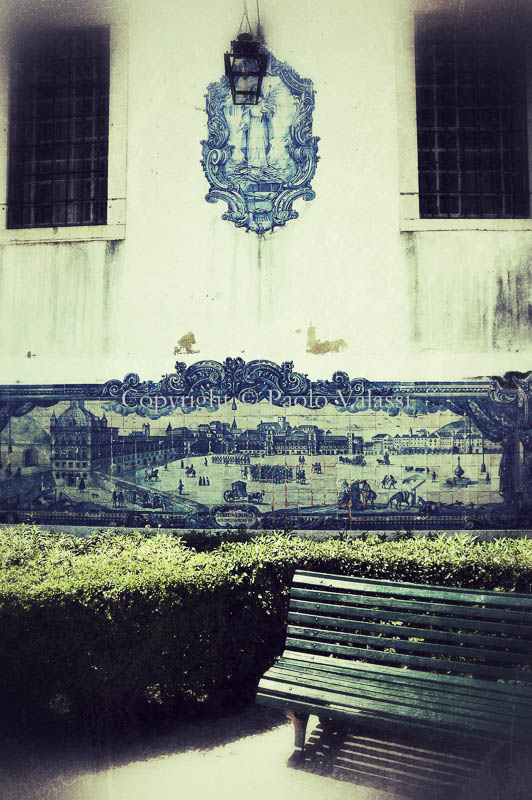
(246, 465)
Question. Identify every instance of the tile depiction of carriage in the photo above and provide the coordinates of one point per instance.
(239, 493)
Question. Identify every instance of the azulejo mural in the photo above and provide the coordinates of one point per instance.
(257, 445)
(260, 158)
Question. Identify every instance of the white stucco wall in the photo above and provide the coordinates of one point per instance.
(412, 304)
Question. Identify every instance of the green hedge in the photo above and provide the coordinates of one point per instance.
(115, 626)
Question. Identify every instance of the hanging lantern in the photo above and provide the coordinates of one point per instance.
(245, 67)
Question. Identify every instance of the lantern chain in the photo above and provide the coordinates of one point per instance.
(245, 16)
(260, 34)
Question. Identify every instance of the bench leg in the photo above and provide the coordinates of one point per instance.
(300, 727)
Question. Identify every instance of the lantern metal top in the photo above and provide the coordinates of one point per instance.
(245, 44)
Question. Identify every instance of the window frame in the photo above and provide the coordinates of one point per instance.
(115, 227)
(409, 216)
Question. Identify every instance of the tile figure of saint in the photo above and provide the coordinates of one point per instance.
(257, 131)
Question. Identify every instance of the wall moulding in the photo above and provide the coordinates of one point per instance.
(258, 445)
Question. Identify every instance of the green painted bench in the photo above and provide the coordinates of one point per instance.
(393, 654)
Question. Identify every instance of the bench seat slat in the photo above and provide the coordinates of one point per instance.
(414, 590)
(374, 719)
(384, 706)
(456, 611)
(462, 667)
(428, 634)
(508, 707)
(356, 612)
(394, 709)
(405, 680)
(490, 656)
(431, 702)
(415, 677)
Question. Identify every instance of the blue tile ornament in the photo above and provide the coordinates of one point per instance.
(260, 158)
(259, 445)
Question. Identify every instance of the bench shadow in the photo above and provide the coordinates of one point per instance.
(410, 767)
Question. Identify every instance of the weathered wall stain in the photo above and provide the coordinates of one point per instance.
(185, 345)
(314, 345)
(113, 253)
(513, 309)
(470, 290)
(57, 296)
(409, 242)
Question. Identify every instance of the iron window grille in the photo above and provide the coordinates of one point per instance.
(59, 128)
(471, 104)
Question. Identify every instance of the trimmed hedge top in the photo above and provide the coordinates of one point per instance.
(32, 560)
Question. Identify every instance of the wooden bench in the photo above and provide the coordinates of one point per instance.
(396, 654)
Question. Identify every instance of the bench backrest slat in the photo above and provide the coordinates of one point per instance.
(438, 621)
(465, 640)
(486, 657)
(413, 590)
(409, 677)
(453, 631)
(469, 612)
(403, 660)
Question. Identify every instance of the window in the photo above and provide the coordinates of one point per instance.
(59, 129)
(471, 109)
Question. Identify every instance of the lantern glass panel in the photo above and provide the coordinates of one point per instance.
(245, 66)
(245, 99)
(247, 83)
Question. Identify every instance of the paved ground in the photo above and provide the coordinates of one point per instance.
(241, 756)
